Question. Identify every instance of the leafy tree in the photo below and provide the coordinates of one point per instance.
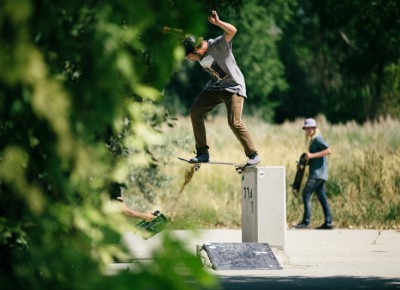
(367, 36)
(304, 58)
(74, 76)
(255, 50)
(342, 60)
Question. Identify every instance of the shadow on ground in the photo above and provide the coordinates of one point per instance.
(300, 282)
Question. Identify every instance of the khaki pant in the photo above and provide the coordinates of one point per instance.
(205, 103)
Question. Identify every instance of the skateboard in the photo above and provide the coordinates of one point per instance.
(239, 167)
(153, 227)
(301, 168)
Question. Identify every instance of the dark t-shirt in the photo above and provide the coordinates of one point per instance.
(319, 166)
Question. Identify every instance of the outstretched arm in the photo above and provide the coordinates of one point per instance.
(136, 214)
(229, 29)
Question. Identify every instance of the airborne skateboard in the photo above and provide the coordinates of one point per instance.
(153, 227)
(301, 168)
(239, 167)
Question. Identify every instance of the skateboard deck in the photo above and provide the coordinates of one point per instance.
(153, 227)
(239, 167)
(301, 168)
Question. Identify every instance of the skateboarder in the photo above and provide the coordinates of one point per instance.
(116, 194)
(226, 86)
(317, 153)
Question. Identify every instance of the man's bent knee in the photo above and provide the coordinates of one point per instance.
(236, 125)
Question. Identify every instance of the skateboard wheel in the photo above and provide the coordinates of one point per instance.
(239, 171)
(196, 167)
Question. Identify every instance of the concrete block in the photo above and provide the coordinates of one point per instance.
(264, 205)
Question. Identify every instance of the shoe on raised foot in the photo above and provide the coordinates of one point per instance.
(325, 226)
(302, 226)
(254, 159)
(200, 157)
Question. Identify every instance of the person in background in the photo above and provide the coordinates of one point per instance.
(317, 152)
(226, 86)
(116, 194)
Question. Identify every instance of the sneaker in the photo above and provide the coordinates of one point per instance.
(200, 157)
(325, 226)
(254, 159)
(302, 226)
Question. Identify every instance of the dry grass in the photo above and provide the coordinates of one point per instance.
(364, 173)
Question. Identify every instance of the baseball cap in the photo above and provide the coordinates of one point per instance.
(309, 123)
(190, 43)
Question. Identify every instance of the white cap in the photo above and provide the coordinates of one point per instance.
(309, 123)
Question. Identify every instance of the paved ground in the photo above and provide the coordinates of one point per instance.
(312, 259)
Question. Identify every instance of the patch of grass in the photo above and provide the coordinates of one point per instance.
(364, 172)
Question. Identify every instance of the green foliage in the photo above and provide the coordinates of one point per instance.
(304, 58)
(255, 48)
(340, 58)
(79, 80)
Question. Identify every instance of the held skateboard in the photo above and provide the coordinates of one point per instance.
(239, 167)
(301, 168)
(153, 227)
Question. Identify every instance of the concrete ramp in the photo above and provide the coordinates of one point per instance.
(241, 256)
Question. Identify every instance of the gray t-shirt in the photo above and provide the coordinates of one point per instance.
(319, 166)
(221, 64)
